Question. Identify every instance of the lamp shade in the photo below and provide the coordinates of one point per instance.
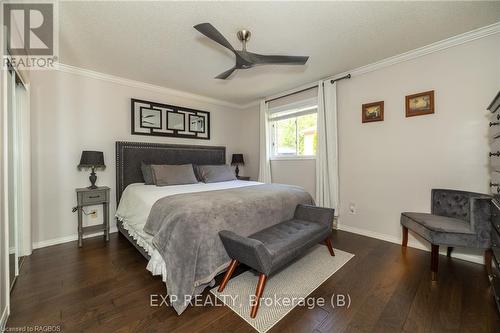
(92, 159)
(237, 159)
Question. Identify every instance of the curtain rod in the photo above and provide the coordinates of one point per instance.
(348, 76)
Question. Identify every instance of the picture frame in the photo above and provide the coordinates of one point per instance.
(157, 119)
(150, 118)
(372, 112)
(420, 104)
(175, 121)
(196, 123)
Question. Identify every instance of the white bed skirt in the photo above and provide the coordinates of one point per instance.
(156, 265)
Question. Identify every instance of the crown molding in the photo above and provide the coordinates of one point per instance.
(142, 85)
(413, 54)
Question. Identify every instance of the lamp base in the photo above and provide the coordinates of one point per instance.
(237, 171)
(93, 179)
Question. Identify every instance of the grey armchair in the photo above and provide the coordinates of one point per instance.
(457, 219)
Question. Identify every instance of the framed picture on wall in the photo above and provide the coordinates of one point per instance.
(420, 104)
(157, 119)
(372, 112)
(150, 118)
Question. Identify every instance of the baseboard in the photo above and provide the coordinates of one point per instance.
(70, 238)
(411, 243)
(3, 319)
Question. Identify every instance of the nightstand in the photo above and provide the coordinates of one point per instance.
(243, 178)
(87, 197)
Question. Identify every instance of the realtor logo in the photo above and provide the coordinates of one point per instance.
(30, 31)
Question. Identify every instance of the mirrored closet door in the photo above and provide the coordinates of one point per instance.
(18, 172)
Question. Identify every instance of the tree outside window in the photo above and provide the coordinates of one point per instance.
(295, 136)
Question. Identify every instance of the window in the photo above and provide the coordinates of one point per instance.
(293, 132)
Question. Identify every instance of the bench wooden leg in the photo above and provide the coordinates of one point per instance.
(227, 276)
(329, 245)
(405, 237)
(258, 294)
(434, 261)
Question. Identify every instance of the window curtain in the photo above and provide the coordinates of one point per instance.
(327, 176)
(264, 159)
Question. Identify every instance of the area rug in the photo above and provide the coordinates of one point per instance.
(283, 291)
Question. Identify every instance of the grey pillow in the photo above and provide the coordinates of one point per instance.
(147, 174)
(164, 175)
(215, 173)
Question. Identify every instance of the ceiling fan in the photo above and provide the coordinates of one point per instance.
(245, 59)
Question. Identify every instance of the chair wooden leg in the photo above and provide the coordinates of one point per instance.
(448, 251)
(329, 245)
(434, 261)
(405, 237)
(227, 276)
(258, 294)
(488, 257)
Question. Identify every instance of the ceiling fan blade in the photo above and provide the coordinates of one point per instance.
(261, 59)
(209, 30)
(226, 74)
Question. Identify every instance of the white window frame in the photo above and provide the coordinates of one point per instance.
(296, 109)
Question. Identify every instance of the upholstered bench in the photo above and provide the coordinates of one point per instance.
(273, 248)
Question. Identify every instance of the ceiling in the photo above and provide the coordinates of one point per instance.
(154, 42)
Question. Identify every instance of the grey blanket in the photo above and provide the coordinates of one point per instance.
(185, 229)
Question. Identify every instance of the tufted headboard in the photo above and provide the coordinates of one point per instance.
(453, 203)
(129, 156)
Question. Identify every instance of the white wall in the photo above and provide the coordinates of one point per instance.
(385, 167)
(73, 112)
(389, 167)
(248, 135)
(295, 172)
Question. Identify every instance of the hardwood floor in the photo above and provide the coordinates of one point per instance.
(106, 288)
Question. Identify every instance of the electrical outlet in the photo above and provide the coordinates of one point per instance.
(93, 214)
(352, 208)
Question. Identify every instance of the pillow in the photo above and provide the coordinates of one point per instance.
(164, 175)
(147, 174)
(197, 172)
(215, 173)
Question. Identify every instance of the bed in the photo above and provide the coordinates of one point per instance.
(176, 227)
(130, 155)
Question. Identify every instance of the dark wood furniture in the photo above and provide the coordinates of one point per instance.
(271, 249)
(494, 270)
(243, 178)
(91, 197)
